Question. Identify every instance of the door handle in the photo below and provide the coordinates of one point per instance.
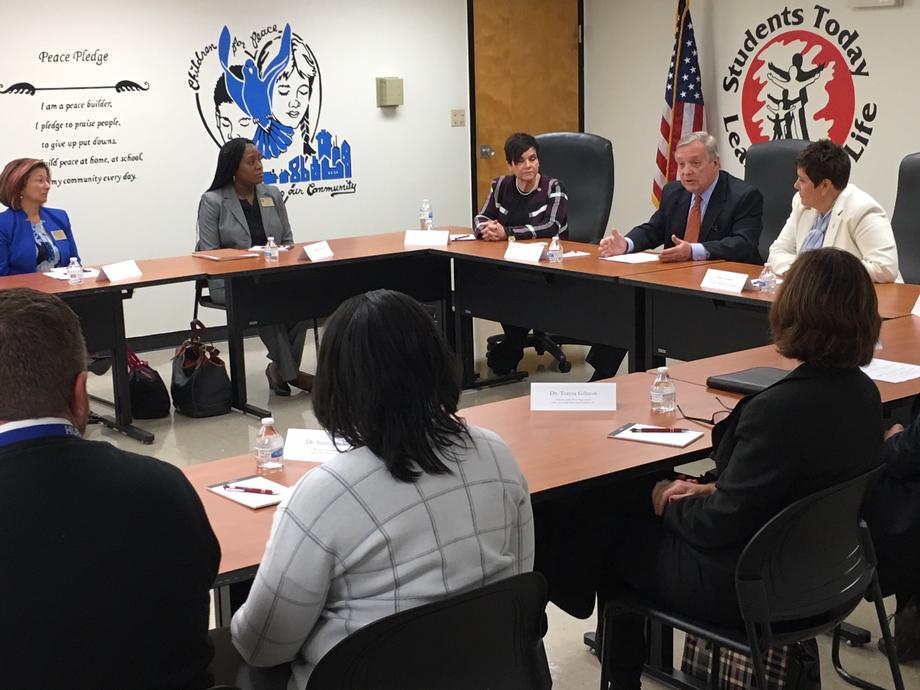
(486, 151)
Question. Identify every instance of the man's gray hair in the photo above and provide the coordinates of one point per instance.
(709, 141)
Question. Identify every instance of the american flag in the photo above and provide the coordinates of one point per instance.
(683, 99)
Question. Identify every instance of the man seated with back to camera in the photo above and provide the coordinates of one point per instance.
(829, 211)
(707, 213)
(522, 205)
(108, 556)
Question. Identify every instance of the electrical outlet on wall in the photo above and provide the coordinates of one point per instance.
(458, 117)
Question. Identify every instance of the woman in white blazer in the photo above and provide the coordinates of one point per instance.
(827, 211)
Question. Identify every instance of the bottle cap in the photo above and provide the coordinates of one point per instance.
(268, 420)
(661, 370)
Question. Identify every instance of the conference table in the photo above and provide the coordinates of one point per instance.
(558, 452)
(295, 288)
(651, 309)
(899, 341)
(676, 305)
(99, 306)
(582, 296)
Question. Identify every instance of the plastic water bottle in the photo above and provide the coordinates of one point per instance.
(74, 271)
(269, 448)
(663, 394)
(555, 251)
(425, 216)
(271, 250)
(767, 279)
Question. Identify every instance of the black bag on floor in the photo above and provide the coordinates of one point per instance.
(200, 384)
(149, 397)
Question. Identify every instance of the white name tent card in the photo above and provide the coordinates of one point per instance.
(427, 238)
(891, 372)
(525, 251)
(311, 445)
(318, 251)
(726, 281)
(638, 258)
(573, 397)
(123, 270)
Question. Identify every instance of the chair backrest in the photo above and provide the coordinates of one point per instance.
(584, 165)
(770, 167)
(905, 221)
(812, 559)
(488, 637)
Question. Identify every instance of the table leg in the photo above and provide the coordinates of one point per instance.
(237, 355)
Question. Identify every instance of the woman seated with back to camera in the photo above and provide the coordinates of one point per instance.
(32, 238)
(238, 211)
(818, 426)
(421, 507)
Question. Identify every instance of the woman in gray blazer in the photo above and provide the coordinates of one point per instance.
(239, 211)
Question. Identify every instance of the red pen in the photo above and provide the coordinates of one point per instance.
(658, 430)
(250, 490)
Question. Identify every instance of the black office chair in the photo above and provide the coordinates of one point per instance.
(584, 164)
(490, 637)
(802, 574)
(906, 218)
(770, 167)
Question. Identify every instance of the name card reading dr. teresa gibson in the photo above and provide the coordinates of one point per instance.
(573, 397)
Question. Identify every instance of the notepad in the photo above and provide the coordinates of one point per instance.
(225, 255)
(60, 273)
(639, 258)
(891, 372)
(675, 439)
(254, 501)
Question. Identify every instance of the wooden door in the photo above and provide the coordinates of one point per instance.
(526, 76)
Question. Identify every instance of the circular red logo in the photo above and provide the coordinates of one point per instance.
(798, 86)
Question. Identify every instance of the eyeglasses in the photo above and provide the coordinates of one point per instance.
(716, 417)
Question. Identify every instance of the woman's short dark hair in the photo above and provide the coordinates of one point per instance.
(385, 379)
(517, 144)
(825, 160)
(228, 162)
(826, 312)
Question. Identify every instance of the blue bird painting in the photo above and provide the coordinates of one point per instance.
(253, 94)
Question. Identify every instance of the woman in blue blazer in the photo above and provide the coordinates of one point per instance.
(32, 237)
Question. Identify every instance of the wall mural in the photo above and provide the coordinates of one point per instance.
(79, 124)
(268, 87)
(796, 74)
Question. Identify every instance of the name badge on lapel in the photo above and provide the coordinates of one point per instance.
(59, 235)
(266, 201)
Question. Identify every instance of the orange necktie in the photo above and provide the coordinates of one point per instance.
(692, 232)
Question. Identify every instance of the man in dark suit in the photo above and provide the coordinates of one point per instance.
(108, 556)
(707, 214)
